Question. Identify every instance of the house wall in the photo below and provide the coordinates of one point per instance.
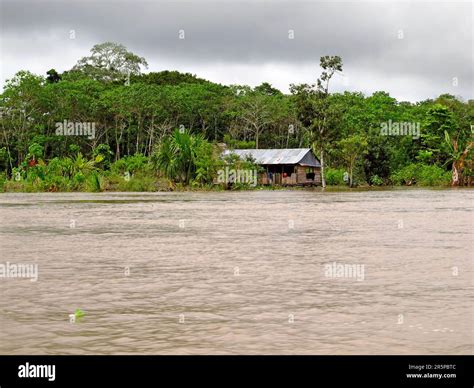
(298, 177)
(303, 175)
(317, 176)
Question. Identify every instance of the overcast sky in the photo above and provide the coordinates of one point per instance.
(413, 49)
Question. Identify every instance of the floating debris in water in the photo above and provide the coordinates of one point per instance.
(77, 316)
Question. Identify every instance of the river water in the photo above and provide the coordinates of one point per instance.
(255, 272)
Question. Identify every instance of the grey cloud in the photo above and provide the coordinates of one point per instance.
(436, 44)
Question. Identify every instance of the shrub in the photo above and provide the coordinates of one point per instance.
(95, 182)
(102, 156)
(334, 176)
(35, 150)
(421, 175)
(375, 180)
(130, 164)
(238, 144)
(433, 176)
(3, 180)
(57, 183)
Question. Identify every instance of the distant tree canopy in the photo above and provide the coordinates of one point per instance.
(168, 78)
(110, 62)
(134, 113)
(53, 76)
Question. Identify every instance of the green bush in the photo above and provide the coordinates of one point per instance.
(375, 180)
(434, 176)
(38, 171)
(335, 176)
(3, 180)
(4, 158)
(35, 150)
(130, 164)
(57, 183)
(102, 156)
(238, 144)
(95, 182)
(421, 175)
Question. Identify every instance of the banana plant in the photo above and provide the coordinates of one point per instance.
(457, 156)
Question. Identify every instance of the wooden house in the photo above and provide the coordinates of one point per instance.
(287, 166)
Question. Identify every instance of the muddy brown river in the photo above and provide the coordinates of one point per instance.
(257, 272)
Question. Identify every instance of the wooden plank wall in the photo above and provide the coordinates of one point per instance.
(298, 177)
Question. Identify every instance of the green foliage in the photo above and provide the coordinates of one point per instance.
(234, 162)
(185, 158)
(3, 158)
(167, 78)
(3, 180)
(424, 156)
(206, 163)
(238, 144)
(74, 149)
(102, 156)
(375, 180)
(351, 148)
(422, 175)
(335, 176)
(134, 125)
(268, 89)
(53, 76)
(35, 150)
(130, 164)
(110, 62)
(95, 182)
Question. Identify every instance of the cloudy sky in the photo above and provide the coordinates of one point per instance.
(411, 49)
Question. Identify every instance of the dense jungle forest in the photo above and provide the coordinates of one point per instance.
(106, 124)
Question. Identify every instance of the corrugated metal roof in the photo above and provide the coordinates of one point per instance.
(278, 156)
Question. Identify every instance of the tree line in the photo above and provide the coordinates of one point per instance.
(137, 115)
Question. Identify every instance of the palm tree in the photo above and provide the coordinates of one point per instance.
(81, 165)
(174, 156)
(177, 156)
(165, 158)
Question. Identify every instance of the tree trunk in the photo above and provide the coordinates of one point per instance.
(351, 169)
(323, 180)
(350, 176)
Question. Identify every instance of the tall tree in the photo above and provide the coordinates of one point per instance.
(256, 111)
(330, 65)
(110, 62)
(351, 148)
(315, 110)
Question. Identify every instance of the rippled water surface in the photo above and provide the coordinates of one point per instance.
(239, 272)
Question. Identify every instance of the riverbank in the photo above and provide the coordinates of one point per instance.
(164, 185)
